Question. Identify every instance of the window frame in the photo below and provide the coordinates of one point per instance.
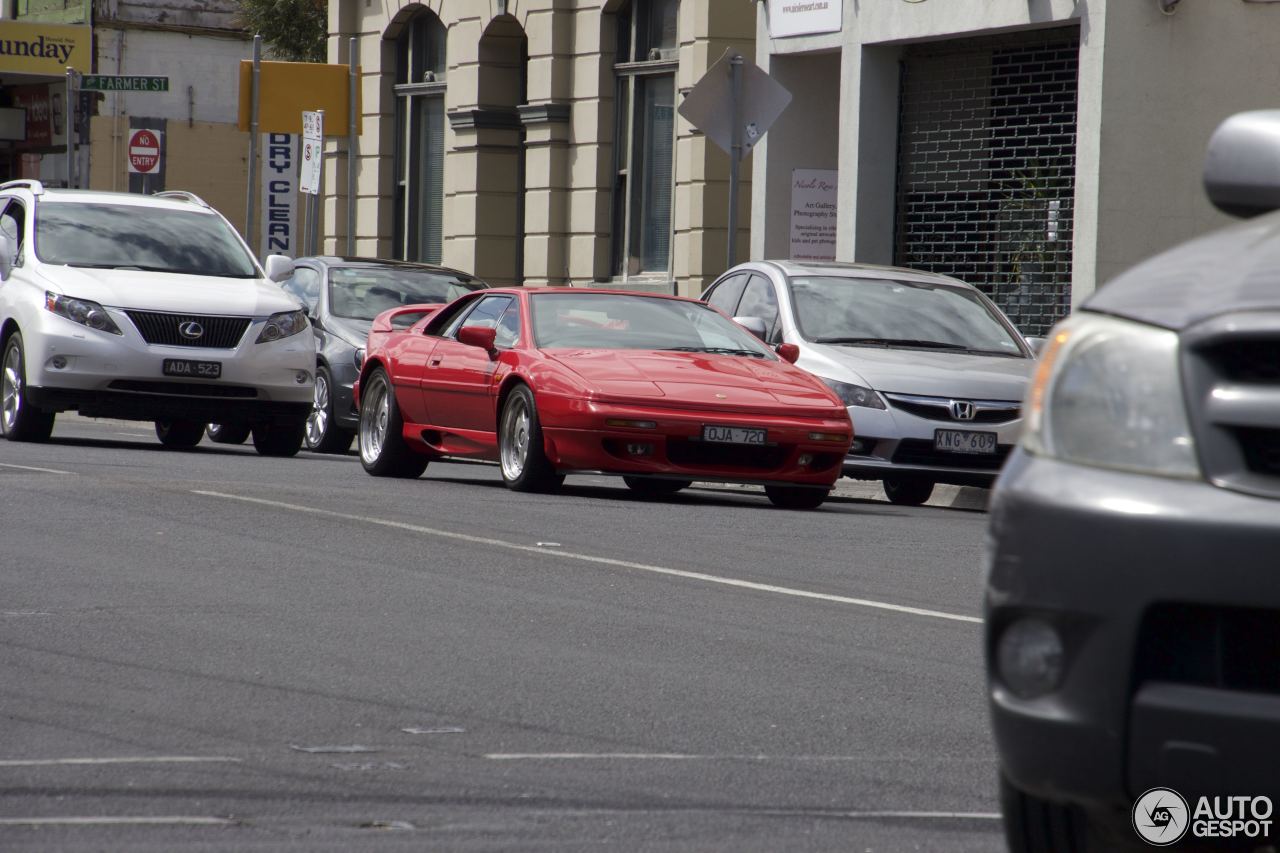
(629, 74)
(414, 52)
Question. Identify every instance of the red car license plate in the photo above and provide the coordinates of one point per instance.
(964, 441)
(193, 369)
(733, 435)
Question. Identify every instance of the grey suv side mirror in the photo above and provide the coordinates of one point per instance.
(1242, 165)
(7, 250)
(754, 325)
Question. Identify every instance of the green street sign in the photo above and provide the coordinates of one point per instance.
(123, 83)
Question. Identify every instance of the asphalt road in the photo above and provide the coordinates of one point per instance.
(211, 650)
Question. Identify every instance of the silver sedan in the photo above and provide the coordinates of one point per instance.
(932, 371)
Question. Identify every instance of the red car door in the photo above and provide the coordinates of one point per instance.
(410, 356)
(457, 382)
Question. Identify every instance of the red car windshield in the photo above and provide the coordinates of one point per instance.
(625, 321)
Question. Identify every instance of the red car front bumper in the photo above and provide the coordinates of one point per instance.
(582, 435)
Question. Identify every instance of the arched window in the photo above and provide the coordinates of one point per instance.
(645, 67)
(419, 163)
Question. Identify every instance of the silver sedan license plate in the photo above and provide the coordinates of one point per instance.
(733, 435)
(964, 441)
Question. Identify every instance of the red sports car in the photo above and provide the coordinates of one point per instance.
(545, 381)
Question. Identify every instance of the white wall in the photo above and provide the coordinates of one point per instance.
(207, 64)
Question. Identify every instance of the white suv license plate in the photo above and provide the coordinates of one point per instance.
(964, 441)
(733, 435)
(192, 369)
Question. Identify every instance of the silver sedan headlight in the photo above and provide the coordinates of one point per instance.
(1107, 393)
(854, 395)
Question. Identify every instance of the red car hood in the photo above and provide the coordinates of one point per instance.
(694, 380)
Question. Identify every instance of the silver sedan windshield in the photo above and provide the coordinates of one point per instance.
(892, 313)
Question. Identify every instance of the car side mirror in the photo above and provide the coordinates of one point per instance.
(1242, 164)
(1036, 344)
(790, 353)
(6, 256)
(278, 267)
(477, 336)
(754, 325)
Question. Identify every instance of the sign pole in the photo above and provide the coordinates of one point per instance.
(70, 125)
(735, 157)
(253, 144)
(353, 144)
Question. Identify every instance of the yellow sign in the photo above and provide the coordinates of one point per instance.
(45, 48)
(286, 89)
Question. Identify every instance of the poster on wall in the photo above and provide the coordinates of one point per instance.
(279, 195)
(813, 214)
(804, 17)
(35, 100)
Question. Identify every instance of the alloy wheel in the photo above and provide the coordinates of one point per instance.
(375, 411)
(11, 387)
(318, 420)
(516, 428)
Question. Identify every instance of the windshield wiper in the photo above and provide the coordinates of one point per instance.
(891, 342)
(716, 351)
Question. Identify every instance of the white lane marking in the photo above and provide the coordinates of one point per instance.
(142, 759)
(905, 815)
(33, 468)
(183, 820)
(603, 561)
(657, 756)
(135, 434)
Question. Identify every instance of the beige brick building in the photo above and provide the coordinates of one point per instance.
(537, 141)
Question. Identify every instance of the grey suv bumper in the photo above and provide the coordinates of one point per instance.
(1163, 591)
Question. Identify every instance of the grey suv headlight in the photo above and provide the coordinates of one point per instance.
(81, 311)
(1107, 393)
(854, 395)
(282, 325)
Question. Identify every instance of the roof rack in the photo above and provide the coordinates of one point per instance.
(26, 183)
(182, 195)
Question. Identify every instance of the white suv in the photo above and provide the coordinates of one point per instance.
(144, 308)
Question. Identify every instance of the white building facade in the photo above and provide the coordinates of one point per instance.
(1034, 148)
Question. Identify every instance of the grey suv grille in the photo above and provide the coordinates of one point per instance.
(1231, 367)
(163, 329)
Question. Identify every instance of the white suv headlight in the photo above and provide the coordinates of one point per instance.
(82, 311)
(282, 325)
(1108, 393)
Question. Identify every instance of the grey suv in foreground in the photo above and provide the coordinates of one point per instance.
(1133, 587)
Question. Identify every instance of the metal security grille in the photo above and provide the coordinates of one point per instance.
(986, 168)
(216, 332)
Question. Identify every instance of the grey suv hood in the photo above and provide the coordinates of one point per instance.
(1235, 269)
(170, 292)
(929, 374)
(353, 332)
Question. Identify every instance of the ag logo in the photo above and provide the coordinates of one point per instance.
(1160, 817)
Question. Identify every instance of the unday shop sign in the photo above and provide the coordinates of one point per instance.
(44, 48)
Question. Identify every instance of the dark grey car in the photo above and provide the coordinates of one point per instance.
(1132, 603)
(342, 296)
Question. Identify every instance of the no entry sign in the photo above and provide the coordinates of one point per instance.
(144, 151)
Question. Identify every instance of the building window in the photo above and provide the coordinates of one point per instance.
(419, 162)
(645, 66)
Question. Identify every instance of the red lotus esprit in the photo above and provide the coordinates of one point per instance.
(659, 389)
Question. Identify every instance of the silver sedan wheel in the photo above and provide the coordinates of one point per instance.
(375, 412)
(11, 387)
(318, 420)
(515, 435)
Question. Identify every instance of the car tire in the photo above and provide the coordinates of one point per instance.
(228, 433)
(179, 434)
(795, 497)
(522, 454)
(323, 435)
(383, 451)
(282, 440)
(19, 420)
(651, 488)
(907, 491)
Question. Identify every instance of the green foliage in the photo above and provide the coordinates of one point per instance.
(295, 30)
